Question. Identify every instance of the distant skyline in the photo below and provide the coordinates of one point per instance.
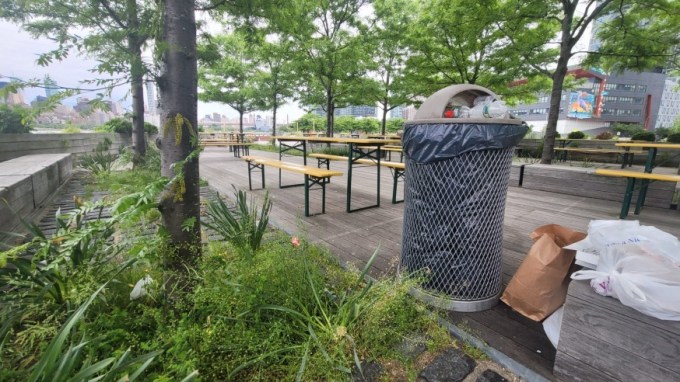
(20, 52)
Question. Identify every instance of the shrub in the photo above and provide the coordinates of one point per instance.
(605, 135)
(12, 121)
(644, 136)
(674, 138)
(576, 135)
(558, 135)
(626, 130)
(243, 226)
(124, 126)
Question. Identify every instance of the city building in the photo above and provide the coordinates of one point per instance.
(601, 100)
(151, 100)
(669, 110)
(397, 112)
(353, 111)
(51, 87)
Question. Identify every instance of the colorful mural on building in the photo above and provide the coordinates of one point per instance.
(581, 105)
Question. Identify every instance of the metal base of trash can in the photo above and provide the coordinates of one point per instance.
(442, 302)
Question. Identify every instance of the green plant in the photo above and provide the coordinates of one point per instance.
(124, 126)
(327, 323)
(673, 138)
(644, 136)
(100, 161)
(241, 226)
(71, 129)
(605, 135)
(626, 130)
(13, 120)
(576, 135)
(59, 363)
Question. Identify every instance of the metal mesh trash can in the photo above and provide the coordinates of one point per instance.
(457, 172)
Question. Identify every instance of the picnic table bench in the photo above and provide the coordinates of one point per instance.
(237, 146)
(627, 156)
(313, 176)
(397, 168)
(632, 176)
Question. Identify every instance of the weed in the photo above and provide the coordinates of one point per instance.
(244, 226)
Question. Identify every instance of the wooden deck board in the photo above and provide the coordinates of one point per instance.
(354, 237)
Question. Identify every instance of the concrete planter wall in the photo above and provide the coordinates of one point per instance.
(17, 145)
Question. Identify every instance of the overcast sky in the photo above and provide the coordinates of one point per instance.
(20, 51)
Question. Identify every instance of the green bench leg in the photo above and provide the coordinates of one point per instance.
(627, 198)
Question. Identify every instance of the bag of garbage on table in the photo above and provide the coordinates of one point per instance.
(540, 284)
(630, 237)
(647, 283)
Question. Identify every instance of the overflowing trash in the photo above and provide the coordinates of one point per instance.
(482, 107)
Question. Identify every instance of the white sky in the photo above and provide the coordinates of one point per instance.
(20, 52)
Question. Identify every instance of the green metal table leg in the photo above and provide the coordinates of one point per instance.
(649, 166)
(627, 198)
(306, 195)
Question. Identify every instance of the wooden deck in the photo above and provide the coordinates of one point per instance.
(354, 237)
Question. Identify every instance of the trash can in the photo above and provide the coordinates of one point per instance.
(457, 172)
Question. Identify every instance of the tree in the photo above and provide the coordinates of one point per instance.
(228, 73)
(12, 120)
(330, 53)
(177, 85)
(274, 81)
(484, 43)
(575, 17)
(637, 36)
(111, 31)
(390, 88)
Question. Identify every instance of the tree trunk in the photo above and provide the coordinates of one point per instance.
(329, 112)
(274, 110)
(137, 84)
(557, 85)
(240, 122)
(177, 85)
(383, 128)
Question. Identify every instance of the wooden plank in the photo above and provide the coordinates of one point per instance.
(637, 175)
(566, 364)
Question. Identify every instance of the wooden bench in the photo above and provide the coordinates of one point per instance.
(397, 168)
(626, 156)
(236, 146)
(632, 176)
(313, 176)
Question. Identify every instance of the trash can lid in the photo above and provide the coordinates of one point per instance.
(433, 108)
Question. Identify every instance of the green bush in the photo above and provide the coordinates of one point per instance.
(605, 135)
(124, 126)
(576, 135)
(626, 130)
(12, 120)
(674, 138)
(644, 136)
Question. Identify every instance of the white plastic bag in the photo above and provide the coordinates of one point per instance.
(644, 283)
(631, 238)
(552, 326)
(140, 288)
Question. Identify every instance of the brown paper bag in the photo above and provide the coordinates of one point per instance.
(540, 284)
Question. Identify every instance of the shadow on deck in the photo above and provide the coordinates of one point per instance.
(354, 237)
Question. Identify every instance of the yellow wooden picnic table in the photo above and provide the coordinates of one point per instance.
(299, 143)
(650, 163)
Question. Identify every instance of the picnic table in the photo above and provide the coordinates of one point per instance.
(356, 154)
(650, 163)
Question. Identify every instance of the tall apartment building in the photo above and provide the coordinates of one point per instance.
(151, 100)
(353, 111)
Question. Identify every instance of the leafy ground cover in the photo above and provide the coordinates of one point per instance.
(90, 301)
